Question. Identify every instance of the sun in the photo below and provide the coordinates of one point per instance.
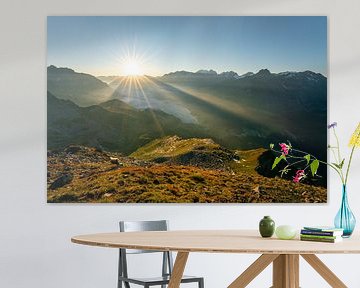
(133, 62)
(132, 67)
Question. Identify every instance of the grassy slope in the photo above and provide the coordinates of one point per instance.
(171, 147)
(248, 160)
(97, 180)
(183, 184)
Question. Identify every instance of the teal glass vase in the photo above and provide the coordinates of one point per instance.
(345, 219)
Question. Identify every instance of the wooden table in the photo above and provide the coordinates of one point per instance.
(284, 254)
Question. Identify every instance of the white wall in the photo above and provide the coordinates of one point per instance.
(35, 248)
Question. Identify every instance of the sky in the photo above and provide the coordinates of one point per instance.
(155, 45)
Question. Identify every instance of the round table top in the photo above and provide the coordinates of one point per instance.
(220, 241)
(217, 241)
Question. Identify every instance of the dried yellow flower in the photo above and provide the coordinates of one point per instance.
(355, 138)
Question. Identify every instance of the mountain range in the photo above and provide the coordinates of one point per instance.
(237, 111)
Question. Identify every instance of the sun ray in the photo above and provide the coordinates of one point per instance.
(129, 85)
(248, 113)
(157, 123)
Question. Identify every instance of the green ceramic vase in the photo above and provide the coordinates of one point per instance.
(267, 227)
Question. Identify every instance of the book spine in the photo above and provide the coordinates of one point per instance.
(319, 236)
(319, 233)
(318, 239)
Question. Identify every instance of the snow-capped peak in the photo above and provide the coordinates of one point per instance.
(230, 74)
(209, 72)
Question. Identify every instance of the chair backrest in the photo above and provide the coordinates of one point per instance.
(133, 226)
(137, 226)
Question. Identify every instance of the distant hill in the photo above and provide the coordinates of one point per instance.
(114, 126)
(172, 146)
(174, 150)
(107, 79)
(82, 89)
(117, 106)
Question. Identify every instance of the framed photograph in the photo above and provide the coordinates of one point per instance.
(165, 109)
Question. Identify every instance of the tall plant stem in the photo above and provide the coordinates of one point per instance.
(339, 155)
(348, 167)
(351, 156)
(336, 169)
(333, 152)
(338, 145)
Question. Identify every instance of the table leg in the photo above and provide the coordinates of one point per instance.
(178, 269)
(286, 271)
(324, 271)
(253, 270)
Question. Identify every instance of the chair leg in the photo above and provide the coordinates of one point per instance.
(126, 284)
(201, 283)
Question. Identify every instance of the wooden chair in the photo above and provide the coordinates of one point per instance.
(167, 262)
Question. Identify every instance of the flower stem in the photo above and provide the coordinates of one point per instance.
(350, 159)
(338, 145)
(348, 166)
(334, 154)
(339, 155)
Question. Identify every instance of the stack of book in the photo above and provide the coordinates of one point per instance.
(321, 234)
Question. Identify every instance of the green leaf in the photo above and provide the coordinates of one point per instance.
(307, 157)
(314, 166)
(336, 165)
(271, 146)
(277, 161)
(339, 166)
(342, 163)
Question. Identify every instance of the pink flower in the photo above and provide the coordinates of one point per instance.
(284, 149)
(300, 174)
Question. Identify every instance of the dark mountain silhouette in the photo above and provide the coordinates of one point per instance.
(259, 108)
(114, 126)
(82, 89)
